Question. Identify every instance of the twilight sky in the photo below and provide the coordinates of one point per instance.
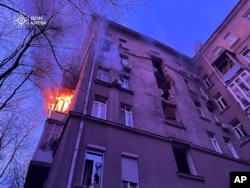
(179, 23)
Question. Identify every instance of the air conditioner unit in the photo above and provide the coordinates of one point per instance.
(116, 82)
(224, 127)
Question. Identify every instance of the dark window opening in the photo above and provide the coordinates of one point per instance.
(225, 62)
(181, 160)
(169, 111)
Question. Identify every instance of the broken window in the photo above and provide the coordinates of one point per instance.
(198, 108)
(52, 133)
(214, 142)
(99, 107)
(170, 111)
(126, 115)
(238, 128)
(129, 172)
(184, 160)
(93, 170)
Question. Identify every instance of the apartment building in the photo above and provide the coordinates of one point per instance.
(144, 115)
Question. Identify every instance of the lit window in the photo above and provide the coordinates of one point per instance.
(230, 38)
(129, 172)
(220, 101)
(238, 128)
(231, 148)
(198, 108)
(246, 54)
(184, 160)
(240, 89)
(208, 81)
(93, 170)
(123, 43)
(214, 142)
(125, 82)
(126, 115)
(99, 107)
(103, 74)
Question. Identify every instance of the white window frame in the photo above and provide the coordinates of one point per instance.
(103, 74)
(230, 38)
(231, 148)
(246, 54)
(240, 89)
(214, 142)
(208, 82)
(221, 102)
(238, 129)
(96, 158)
(101, 108)
(126, 111)
(188, 157)
(125, 82)
(217, 51)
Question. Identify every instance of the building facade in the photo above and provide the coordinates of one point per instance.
(144, 115)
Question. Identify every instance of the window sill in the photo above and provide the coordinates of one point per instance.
(244, 140)
(104, 83)
(126, 90)
(204, 118)
(200, 178)
(222, 111)
(174, 124)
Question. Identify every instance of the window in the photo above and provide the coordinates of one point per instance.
(217, 51)
(247, 15)
(208, 81)
(93, 170)
(126, 115)
(246, 54)
(184, 160)
(230, 38)
(123, 43)
(238, 128)
(125, 82)
(105, 52)
(214, 142)
(231, 148)
(220, 101)
(179, 67)
(103, 74)
(51, 133)
(189, 86)
(124, 59)
(99, 107)
(198, 108)
(129, 172)
(240, 89)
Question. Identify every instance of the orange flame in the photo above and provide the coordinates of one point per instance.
(58, 101)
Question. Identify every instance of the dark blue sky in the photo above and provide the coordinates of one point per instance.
(179, 23)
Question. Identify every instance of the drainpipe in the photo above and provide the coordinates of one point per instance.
(79, 135)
